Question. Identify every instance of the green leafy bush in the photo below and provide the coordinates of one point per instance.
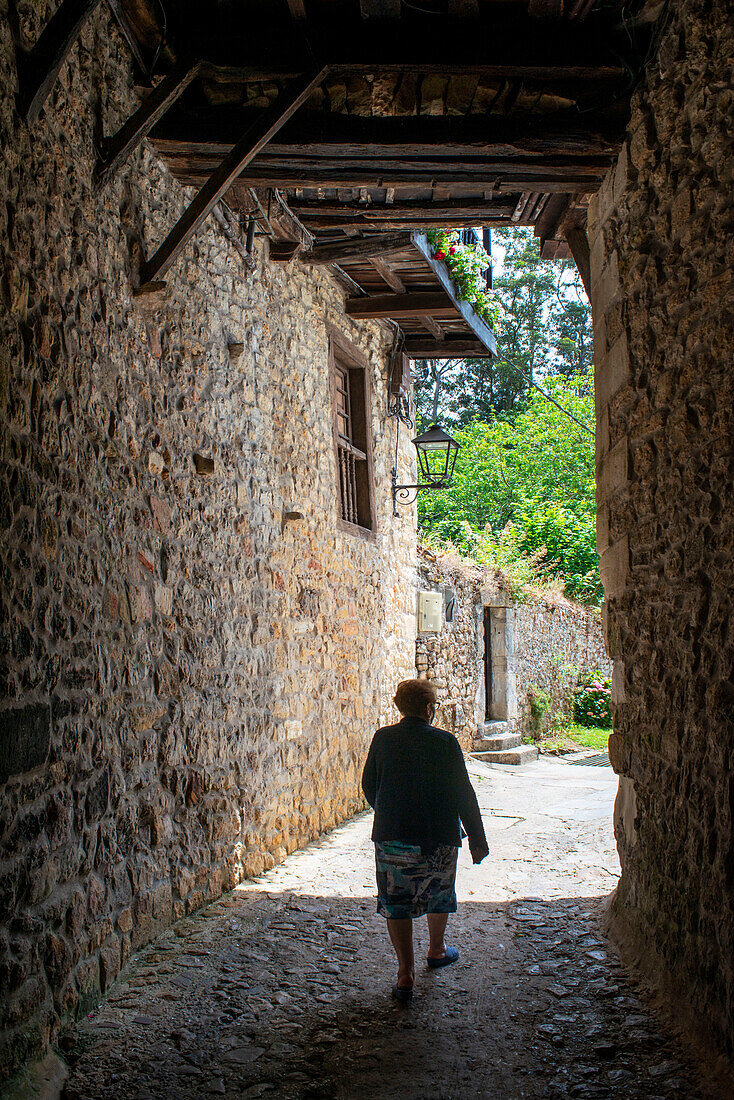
(524, 491)
(540, 702)
(592, 701)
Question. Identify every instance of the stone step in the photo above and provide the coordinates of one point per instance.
(493, 728)
(498, 743)
(522, 754)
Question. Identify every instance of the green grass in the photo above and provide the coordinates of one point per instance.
(573, 737)
(591, 737)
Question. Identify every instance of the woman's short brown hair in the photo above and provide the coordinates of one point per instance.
(413, 696)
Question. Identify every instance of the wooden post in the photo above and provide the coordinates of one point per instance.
(116, 149)
(246, 149)
(38, 69)
(578, 242)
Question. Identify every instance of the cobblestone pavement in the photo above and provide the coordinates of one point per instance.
(281, 989)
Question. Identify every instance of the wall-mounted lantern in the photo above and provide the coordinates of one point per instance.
(437, 452)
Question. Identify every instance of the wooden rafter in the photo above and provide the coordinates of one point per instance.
(38, 69)
(502, 175)
(456, 347)
(380, 219)
(332, 135)
(578, 242)
(297, 8)
(433, 327)
(402, 306)
(241, 155)
(116, 149)
(387, 275)
(357, 248)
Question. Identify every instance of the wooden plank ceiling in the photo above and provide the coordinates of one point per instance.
(443, 113)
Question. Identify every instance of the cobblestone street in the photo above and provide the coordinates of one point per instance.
(282, 989)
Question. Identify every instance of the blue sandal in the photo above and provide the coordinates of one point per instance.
(452, 954)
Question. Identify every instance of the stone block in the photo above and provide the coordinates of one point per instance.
(619, 694)
(607, 286)
(204, 465)
(164, 599)
(612, 372)
(614, 567)
(601, 438)
(602, 529)
(25, 737)
(612, 472)
(161, 511)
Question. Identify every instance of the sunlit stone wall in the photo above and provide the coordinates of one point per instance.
(190, 679)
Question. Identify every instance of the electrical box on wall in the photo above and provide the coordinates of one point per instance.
(429, 610)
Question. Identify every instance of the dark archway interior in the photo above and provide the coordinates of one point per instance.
(199, 201)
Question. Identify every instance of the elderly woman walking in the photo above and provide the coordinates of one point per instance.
(416, 781)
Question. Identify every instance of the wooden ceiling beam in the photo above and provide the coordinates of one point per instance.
(502, 178)
(402, 306)
(297, 8)
(456, 347)
(328, 135)
(578, 242)
(469, 208)
(433, 327)
(380, 219)
(359, 248)
(220, 180)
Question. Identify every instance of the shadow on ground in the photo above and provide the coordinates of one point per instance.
(286, 995)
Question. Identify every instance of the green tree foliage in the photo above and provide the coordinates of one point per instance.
(523, 494)
(523, 490)
(542, 322)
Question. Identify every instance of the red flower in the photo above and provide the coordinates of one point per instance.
(452, 249)
(439, 255)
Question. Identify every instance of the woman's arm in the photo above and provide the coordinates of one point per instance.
(469, 812)
(369, 775)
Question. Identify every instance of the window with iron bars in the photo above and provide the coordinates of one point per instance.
(350, 394)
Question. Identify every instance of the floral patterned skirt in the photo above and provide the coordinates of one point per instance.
(411, 882)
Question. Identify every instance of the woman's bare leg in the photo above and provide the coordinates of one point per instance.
(401, 935)
(436, 929)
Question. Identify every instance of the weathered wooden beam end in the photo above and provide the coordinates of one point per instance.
(150, 296)
(39, 68)
(250, 144)
(116, 149)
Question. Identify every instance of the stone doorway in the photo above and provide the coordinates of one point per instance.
(487, 661)
(497, 668)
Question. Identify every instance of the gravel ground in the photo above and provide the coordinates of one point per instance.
(282, 989)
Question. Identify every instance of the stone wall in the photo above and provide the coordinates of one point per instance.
(662, 296)
(537, 638)
(190, 679)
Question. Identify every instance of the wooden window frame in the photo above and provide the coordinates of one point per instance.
(356, 362)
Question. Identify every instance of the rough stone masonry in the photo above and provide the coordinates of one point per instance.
(189, 677)
(546, 642)
(662, 296)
